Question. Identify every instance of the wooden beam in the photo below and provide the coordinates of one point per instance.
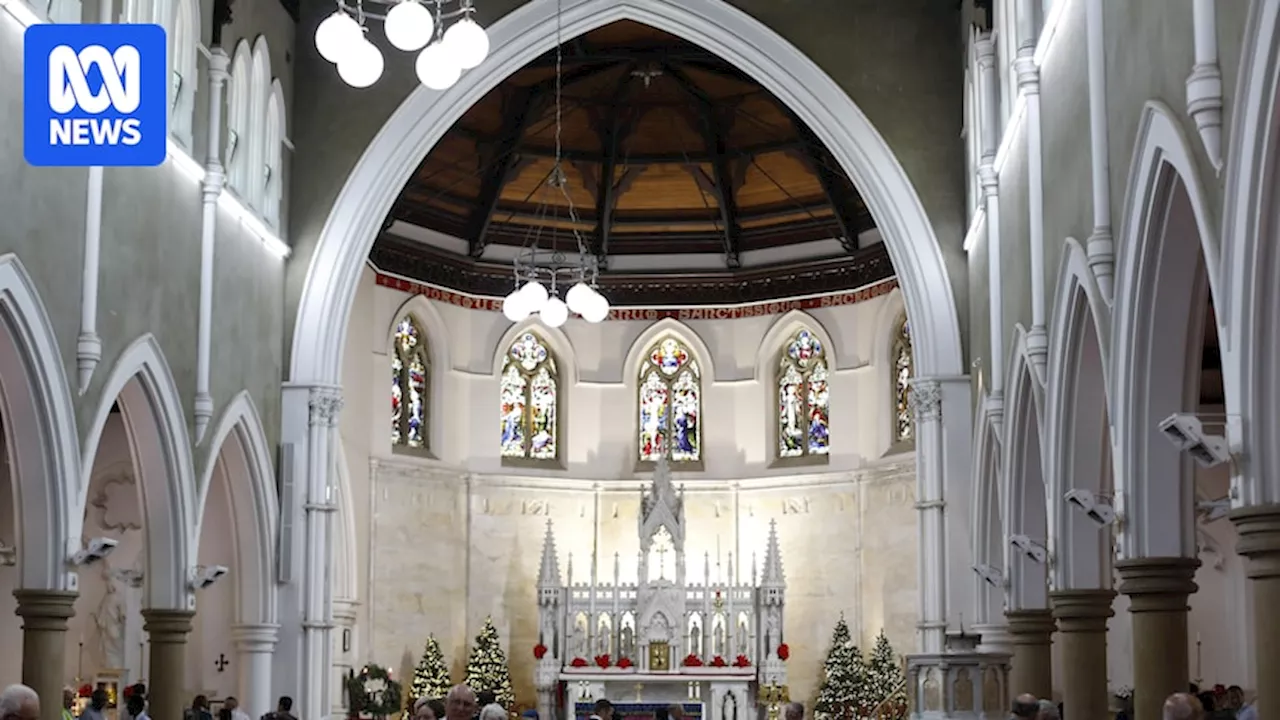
(844, 202)
(613, 132)
(516, 120)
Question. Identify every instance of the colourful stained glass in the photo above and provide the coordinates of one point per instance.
(803, 398)
(904, 425)
(410, 378)
(530, 396)
(670, 404)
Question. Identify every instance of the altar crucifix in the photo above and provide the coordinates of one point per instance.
(222, 662)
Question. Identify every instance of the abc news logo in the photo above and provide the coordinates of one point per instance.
(95, 95)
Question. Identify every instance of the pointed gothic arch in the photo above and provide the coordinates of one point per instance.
(1023, 502)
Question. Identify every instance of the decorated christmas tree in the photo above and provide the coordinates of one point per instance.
(431, 677)
(487, 667)
(883, 680)
(842, 692)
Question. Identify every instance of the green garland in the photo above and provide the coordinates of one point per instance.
(379, 702)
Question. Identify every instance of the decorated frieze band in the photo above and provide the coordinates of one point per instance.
(724, 312)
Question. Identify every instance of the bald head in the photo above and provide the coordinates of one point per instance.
(1183, 706)
(794, 711)
(1026, 706)
(19, 702)
(460, 703)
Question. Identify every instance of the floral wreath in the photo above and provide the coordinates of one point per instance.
(373, 692)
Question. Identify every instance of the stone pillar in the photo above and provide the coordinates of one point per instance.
(1032, 671)
(1082, 630)
(1259, 529)
(1158, 590)
(254, 646)
(167, 632)
(44, 616)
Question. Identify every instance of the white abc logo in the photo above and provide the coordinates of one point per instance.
(121, 79)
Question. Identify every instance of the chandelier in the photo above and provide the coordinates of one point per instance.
(533, 265)
(409, 25)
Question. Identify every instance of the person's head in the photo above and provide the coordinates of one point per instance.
(1235, 697)
(136, 704)
(68, 698)
(493, 711)
(98, 699)
(486, 697)
(200, 703)
(675, 711)
(460, 703)
(1048, 711)
(1208, 702)
(231, 703)
(285, 704)
(19, 702)
(1026, 706)
(1183, 706)
(794, 711)
(603, 709)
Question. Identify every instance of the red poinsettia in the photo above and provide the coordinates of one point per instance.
(625, 663)
(692, 660)
(86, 690)
(741, 661)
(784, 652)
(578, 663)
(718, 661)
(602, 660)
(539, 651)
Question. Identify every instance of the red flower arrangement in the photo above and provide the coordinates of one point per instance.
(691, 660)
(128, 691)
(718, 661)
(602, 661)
(86, 690)
(578, 663)
(784, 652)
(539, 651)
(625, 663)
(741, 661)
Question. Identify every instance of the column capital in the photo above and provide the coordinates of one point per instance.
(164, 625)
(1259, 529)
(1031, 627)
(1158, 584)
(1082, 610)
(45, 609)
(255, 637)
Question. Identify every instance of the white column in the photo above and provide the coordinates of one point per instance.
(88, 344)
(211, 189)
(1100, 247)
(990, 181)
(926, 401)
(1204, 86)
(1029, 85)
(255, 644)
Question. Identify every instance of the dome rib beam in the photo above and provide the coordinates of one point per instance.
(613, 131)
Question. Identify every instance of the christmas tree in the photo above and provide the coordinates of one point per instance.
(487, 667)
(883, 679)
(431, 677)
(842, 692)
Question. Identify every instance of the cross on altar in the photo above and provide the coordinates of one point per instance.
(639, 692)
(222, 662)
(662, 560)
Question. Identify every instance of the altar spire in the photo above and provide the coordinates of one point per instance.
(549, 572)
(773, 576)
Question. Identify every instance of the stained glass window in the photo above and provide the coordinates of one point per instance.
(903, 363)
(804, 398)
(670, 404)
(410, 374)
(530, 393)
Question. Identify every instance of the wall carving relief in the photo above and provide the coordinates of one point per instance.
(795, 505)
(962, 691)
(116, 503)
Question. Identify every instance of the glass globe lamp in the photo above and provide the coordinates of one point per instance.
(409, 26)
(361, 65)
(437, 68)
(467, 42)
(555, 313)
(514, 307)
(578, 297)
(535, 296)
(597, 308)
(336, 35)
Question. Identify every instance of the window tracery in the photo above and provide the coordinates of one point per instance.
(903, 371)
(804, 402)
(530, 397)
(410, 375)
(670, 400)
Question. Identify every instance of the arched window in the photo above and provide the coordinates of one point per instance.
(530, 392)
(273, 141)
(183, 39)
(903, 370)
(259, 96)
(670, 398)
(804, 402)
(410, 381)
(239, 127)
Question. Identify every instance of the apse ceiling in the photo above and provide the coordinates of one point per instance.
(688, 181)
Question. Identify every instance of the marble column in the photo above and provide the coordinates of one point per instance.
(1158, 590)
(44, 616)
(255, 645)
(1082, 630)
(167, 632)
(1032, 632)
(1259, 529)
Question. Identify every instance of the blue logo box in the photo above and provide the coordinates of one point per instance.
(95, 95)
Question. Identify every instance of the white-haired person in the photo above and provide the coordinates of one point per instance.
(19, 702)
(493, 711)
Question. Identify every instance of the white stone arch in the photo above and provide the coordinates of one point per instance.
(988, 522)
(238, 153)
(259, 95)
(1023, 499)
(523, 35)
(436, 332)
(1167, 251)
(1250, 269)
(151, 409)
(1077, 453)
(184, 39)
(275, 129)
(239, 449)
(38, 418)
(766, 372)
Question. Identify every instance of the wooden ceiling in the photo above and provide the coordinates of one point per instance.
(665, 149)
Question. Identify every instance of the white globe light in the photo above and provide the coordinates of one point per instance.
(597, 308)
(361, 66)
(535, 296)
(436, 67)
(336, 35)
(555, 313)
(514, 306)
(409, 26)
(468, 43)
(578, 297)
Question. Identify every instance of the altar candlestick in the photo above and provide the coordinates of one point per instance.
(569, 571)
(706, 572)
(729, 618)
